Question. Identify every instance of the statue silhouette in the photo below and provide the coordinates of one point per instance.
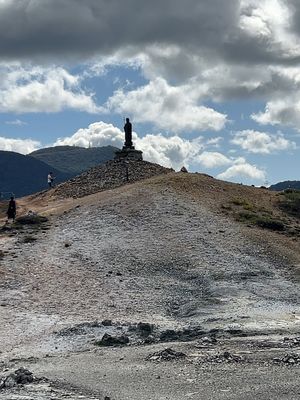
(128, 134)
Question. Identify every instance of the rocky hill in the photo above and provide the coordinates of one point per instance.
(172, 287)
(109, 176)
(73, 160)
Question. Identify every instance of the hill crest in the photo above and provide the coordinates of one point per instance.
(110, 175)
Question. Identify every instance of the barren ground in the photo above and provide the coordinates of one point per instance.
(162, 251)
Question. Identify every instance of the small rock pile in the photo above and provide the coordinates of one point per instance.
(225, 357)
(109, 340)
(106, 176)
(166, 355)
(292, 342)
(21, 376)
(289, 359)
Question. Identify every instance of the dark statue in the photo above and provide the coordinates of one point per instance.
(128, 134)
(128, 151)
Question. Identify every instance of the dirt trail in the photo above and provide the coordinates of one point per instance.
(144, 253)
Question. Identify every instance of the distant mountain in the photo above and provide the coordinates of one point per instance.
(24, 175)
(74, 160)
(285, 185)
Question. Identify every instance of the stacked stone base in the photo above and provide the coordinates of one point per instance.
(129, 154)
(112, 174)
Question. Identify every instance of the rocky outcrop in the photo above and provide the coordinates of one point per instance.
(21, 376)
(108, 176)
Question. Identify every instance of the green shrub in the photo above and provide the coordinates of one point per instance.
(245, 216)
(291, 202)
(243, 203)
(261, 221)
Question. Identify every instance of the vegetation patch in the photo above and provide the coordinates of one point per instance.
(270, 223)
(243, 203)
(247, 212)
(290, 202)
(261, 221)
(31, 219)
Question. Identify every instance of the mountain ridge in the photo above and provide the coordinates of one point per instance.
(23, 174)
(285, 185)
(27, 174)
(74, 159)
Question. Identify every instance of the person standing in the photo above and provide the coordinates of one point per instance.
(12, 210)
(50, 179)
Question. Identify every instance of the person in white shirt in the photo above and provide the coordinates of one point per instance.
(50, 179)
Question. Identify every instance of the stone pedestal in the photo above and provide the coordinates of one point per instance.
(129, 154)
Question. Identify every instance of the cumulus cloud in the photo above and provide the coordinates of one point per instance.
(211, 159)
(96, 135)
(280, 112)
(23, 146)
(262, 142)
(214, 142)
(171, 151)
(37, 89)
(240, 171)
(168, 107)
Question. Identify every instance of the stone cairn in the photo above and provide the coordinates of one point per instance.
(128, 166)
(107, 176)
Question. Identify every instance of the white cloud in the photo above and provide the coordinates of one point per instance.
(266, 18)
(210, 159)
(36, 89)
(214, 142)
(173, 108)
(241, 171)
(170, 151)
(96, 135)
(280, 112)
(262, 142)
(23, 146)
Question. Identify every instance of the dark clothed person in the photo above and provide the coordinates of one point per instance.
(12, 209)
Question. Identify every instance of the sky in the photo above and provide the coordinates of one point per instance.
(211, 85)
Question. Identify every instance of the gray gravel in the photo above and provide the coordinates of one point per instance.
(159, 259)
